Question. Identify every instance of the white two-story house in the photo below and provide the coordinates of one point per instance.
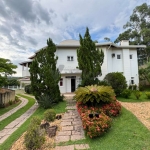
(117, 58)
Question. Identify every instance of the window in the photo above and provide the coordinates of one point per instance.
(61, 82)
(69, 58)
(132, 80)
(118, 56)
(130, 56)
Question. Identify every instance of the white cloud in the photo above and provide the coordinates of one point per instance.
(26, 25)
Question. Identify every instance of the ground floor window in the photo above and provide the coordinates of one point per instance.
(132, 80)
(61, 82)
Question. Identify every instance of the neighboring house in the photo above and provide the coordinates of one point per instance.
(122, 58)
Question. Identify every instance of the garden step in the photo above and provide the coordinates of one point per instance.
(73, 147)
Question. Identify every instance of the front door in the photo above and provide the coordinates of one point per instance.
(73, 84)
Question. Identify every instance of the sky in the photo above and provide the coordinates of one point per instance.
(25, 25)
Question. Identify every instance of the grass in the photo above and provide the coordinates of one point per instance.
(132, 98)
(18, 113)
(59, 108)
(126, 133)
(8, 108)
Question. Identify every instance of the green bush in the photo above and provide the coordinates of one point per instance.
(103, 82)
(27, 89)
(117, 81)
(35, 120)
(49, 115)
(137, 94)
(126, 93)
(134, 87)
(34, 137)
(46, 101)
(147, 94)
(94, 94)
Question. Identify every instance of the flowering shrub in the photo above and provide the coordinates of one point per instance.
(112, 109)
(95, 126)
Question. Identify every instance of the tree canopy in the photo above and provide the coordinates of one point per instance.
(44, 74)
(138, 31)
(6, 68)
(90, 59)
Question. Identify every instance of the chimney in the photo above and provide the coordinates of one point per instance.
(124, 43)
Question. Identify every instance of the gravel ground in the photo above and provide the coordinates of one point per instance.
(141, 110)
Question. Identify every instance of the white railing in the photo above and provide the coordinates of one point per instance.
(14, 87)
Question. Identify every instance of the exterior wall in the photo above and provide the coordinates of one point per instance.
(25, 71)
(129, 67)
(66, 88)
(8, 95)
(62, 58)
(133, 68)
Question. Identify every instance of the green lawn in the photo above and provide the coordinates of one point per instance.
(59, 108)
(132, 98)
(126, 133)
(8, 108)
(18, 113)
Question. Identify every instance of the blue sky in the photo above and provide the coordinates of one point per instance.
(25, 25)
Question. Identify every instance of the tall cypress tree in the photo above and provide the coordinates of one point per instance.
(44, 74)
(90, 60)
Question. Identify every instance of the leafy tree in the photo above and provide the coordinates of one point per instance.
(144, 73)
(44, 74)
(138, 31)
(12, 82)
(117, 81)
(6, 68)
(90, 60)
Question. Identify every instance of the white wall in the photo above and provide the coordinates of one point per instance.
(62, 57)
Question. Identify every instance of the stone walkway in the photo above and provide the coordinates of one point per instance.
(71, 128)
(14, 125)
(22, 104)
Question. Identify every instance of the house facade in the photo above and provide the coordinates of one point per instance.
(117, 58)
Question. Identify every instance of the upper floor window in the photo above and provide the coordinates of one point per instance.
(131, 57)
(119, 56)
(69, 58)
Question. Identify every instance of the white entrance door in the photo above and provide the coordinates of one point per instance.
(68, 85)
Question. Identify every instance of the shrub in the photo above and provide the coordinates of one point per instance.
(94, 94)
(134, 87)
(16, 99)
(35, 120)
(112, 109)
(28, 89)
(137, 94)
(34, 137)
(126, 93)
(46, 101)
(103, 82)
(49, 115)
(95, 126)
(117, 81)
(147, 94)
(10, 102)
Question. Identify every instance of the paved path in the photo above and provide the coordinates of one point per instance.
(22, 104)
(71, 128)
(13, 126)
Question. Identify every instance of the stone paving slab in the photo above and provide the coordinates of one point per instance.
(13, 126)
(65, 123)
(63, 133)
(73, 147)
(67, 128)
(77, 137)
(9, 113)
(63, 138)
